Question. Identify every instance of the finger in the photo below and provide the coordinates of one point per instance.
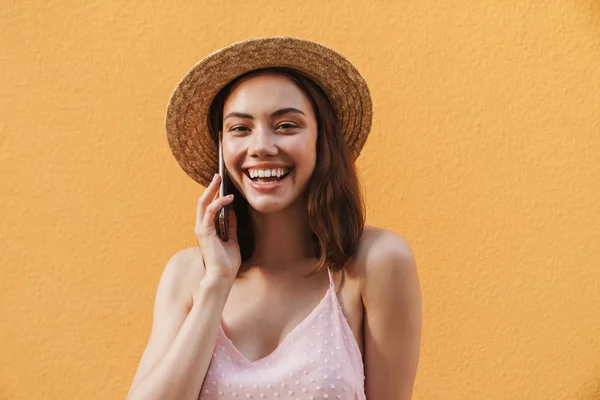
(206, 198)
(215, 196)
(210, 190)
(213, 208)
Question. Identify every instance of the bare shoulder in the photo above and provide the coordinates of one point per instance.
(383, 253)
(187, 261)
(183, 271)
(190, 257)
(391, 296)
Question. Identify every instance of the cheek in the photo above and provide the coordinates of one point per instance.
(305, 153)
(304, 146)
(231, 154)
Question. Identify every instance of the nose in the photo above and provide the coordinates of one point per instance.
(263, 143)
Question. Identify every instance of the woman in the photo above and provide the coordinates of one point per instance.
(302, 301)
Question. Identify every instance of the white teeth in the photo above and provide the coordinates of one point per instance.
(267, 173)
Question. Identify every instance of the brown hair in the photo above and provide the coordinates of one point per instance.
(335, 209)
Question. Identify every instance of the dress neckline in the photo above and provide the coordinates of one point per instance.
(289, 336)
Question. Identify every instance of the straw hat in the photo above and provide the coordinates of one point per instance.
(187, 112)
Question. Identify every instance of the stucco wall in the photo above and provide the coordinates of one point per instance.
(484, 154)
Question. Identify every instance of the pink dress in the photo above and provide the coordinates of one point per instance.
(318, 359)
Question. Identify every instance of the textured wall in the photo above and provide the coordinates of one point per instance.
(484, 154)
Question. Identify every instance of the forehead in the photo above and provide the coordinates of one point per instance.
(266, 92)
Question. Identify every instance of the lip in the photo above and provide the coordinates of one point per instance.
(267, 165)
(266, 187)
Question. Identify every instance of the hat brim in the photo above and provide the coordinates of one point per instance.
(187, 112)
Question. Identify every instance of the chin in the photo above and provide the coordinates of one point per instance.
(271, 200)
(268, 206)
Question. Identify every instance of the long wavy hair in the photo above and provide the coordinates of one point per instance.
(335, 210)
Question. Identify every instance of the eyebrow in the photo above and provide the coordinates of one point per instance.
(274, 114)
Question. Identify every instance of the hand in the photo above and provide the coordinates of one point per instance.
(222, 260)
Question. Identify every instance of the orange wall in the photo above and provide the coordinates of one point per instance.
(484, 154)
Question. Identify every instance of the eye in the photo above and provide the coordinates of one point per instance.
(289, 126)
(236, 128)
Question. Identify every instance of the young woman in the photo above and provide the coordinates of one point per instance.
(302, 301)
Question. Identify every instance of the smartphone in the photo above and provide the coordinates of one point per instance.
(221, 223)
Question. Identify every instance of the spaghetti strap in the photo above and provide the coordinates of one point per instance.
(331, 282)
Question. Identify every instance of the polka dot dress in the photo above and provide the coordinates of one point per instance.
(319, 359)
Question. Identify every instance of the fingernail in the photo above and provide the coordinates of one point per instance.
(215, 177)
(229, 196)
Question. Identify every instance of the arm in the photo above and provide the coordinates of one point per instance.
(393, 317)
(184, 332)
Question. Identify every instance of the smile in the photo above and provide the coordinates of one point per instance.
(267, 184)
(267, 175)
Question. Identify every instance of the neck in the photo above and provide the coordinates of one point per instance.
(282, 238)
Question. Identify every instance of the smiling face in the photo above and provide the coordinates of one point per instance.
(269, 124)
